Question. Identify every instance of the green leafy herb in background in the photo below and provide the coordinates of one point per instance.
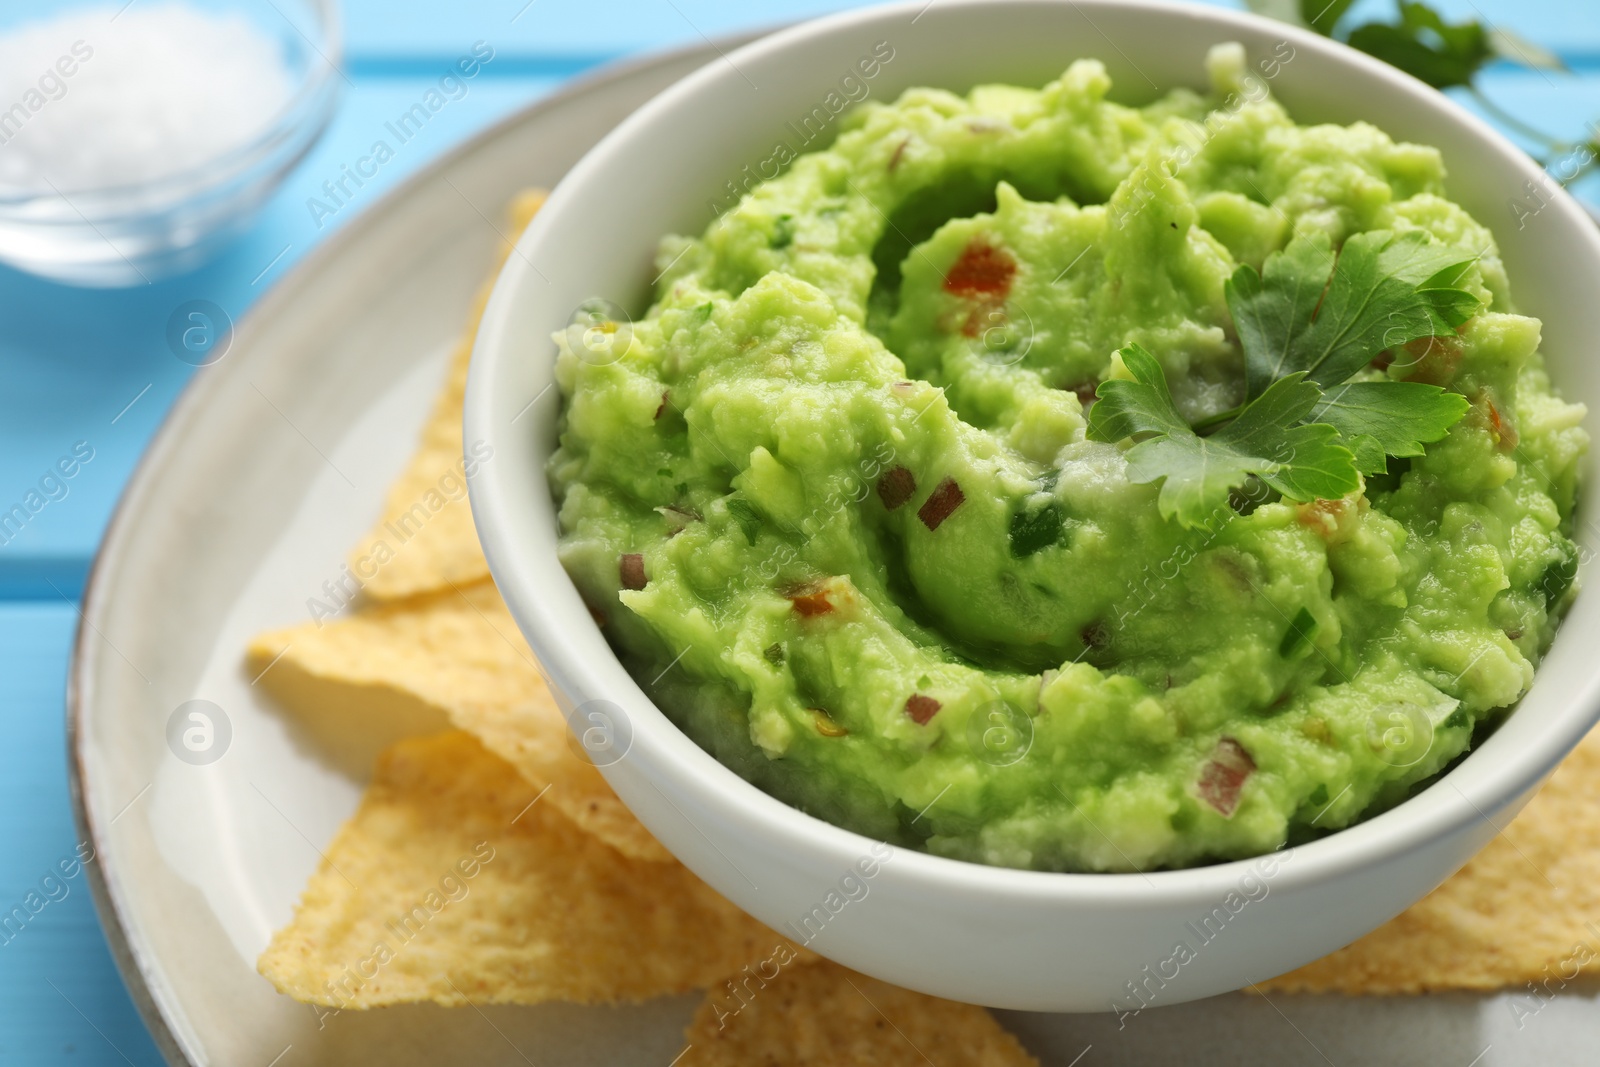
(1446, 55)
(1308, 322)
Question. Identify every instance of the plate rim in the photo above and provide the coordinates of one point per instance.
(118, 533)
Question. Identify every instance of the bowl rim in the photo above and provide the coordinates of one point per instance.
(303, 116)
(662, 752)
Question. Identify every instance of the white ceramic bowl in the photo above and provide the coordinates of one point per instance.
(1000, 937)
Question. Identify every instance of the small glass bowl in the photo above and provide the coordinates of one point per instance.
(119, 235)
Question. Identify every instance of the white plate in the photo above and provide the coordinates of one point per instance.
(268, 469)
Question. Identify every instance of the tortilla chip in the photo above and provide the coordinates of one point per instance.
(454, 883)
(425, 540)
(1524, 909)
(459, 651)
(820, 1013)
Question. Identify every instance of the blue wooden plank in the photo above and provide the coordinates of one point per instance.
(366, 66)
(1565, 106)
(61, 1000)
(547, 27)
(1571, 27)
(617, 27)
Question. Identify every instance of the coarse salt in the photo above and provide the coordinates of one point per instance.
(94, 99)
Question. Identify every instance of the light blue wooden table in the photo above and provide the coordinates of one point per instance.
(80, 365)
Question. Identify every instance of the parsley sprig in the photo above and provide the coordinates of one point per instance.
(1307, 323)
(1446, 54)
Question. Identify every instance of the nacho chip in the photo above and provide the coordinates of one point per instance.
(454, 883)
(425, 539)
(820, 1013)
(1525, 909)
(459, 651)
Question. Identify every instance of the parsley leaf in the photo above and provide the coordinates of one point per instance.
(1328, 316)
(783, 231)
(1319, 15)
(1323, 15)
(1378, 419)
(1302, 628)
(1444, 54)
(1300, 461)
(1290, 11)
(1312, 461)
(1035, 531)
(1270, 310)
(744, 513)
(1307, 322)
(1425, 46)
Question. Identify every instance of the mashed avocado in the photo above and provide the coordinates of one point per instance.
(835, 504)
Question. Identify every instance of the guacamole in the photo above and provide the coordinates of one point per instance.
(833, 501)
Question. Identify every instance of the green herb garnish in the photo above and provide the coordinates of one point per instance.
(1307, 323)
(1265, 439)
(1035, 531)
(1299, 634)
(1378, 419)
(783, 231)
(1446, 54)
(744, 513)
(1384, 290)
(1420, 40)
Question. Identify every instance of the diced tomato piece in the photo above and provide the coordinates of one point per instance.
(811, 604)
(1501, 426)
(921, 708)
(945, 498)
(981, 271)
(1329, 518)
(631, 567)
(1224, 775)
(1333, 507)
(896, 486)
